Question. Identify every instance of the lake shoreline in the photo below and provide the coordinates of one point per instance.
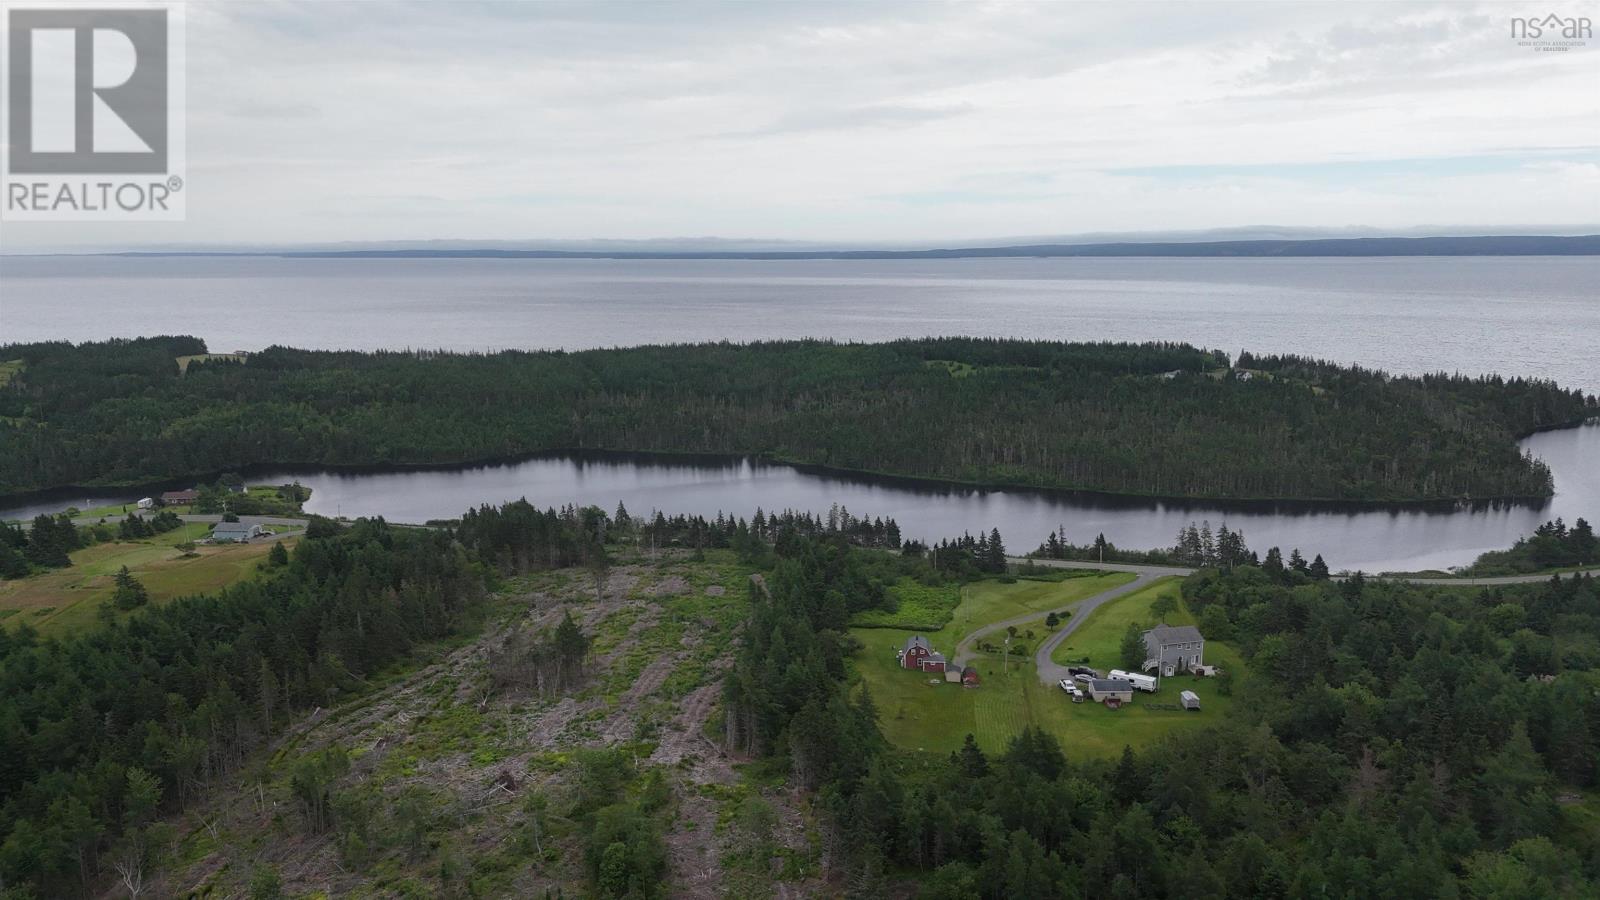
(920, 483)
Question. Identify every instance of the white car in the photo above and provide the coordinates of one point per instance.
(1072, 690)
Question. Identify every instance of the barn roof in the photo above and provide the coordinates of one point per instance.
(917, 640)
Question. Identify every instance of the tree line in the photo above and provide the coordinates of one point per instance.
(1552, 545)
(49, 540)
(105, 732)
(1148, 419)
(1389, 740)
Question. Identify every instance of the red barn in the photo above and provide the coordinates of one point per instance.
(916, 650)
(933, 662)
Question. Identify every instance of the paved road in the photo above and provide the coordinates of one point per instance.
(248, 520)
(1177, 570)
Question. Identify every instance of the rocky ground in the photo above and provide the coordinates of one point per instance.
(662, 636)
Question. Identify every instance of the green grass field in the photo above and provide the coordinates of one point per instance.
(65, 600)
(918, 716)
(992, 601)
(8, 369)
(183, 361)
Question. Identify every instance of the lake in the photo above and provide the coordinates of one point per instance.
(1517, 316)
(1368, 539)
(1528, 316)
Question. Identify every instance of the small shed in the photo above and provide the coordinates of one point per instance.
(952, 674)
(969, 676)
(1110, 691)
(1191, 700)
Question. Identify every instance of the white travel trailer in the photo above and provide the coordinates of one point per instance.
(1144, 683)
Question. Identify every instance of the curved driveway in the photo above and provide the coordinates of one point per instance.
(1051, 672)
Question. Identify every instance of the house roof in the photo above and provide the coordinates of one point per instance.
(186, 492)
(1174, 634)
(917, 640)
(935, 657)
(233, 528)
(973, 670)
(1108, 685)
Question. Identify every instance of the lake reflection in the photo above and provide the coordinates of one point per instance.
(1368, 539)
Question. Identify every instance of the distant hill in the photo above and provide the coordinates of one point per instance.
(1487, 245)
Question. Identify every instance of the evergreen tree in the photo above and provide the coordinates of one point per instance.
(129, 593)
(1132, 650)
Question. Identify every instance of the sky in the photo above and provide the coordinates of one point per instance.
(861, 122)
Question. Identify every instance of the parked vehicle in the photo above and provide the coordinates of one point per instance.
(1082, 678)
(1144, 683)
(1191, 700)
(1073, 691)
(1082, 670)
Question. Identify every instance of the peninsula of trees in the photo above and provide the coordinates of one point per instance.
(1165, 420)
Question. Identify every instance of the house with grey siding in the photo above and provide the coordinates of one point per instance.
(1173, 648)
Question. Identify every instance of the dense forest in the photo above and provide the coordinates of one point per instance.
(1153, 419)
(1395, 741)
(1391, 740)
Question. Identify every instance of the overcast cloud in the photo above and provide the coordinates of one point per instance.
(918, 121)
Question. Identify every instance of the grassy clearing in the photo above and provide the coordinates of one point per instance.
(184, 361)
(8, 369)
(919, 716)
(66, 600)
(992, 601)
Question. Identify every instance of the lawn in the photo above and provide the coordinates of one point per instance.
(919, 716)
(911, 715)
(65, 600)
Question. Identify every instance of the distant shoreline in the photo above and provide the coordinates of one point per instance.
(1487, 245)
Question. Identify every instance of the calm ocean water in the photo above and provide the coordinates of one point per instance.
(1531, 316)
(1537, 317)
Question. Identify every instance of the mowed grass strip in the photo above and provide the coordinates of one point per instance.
(65, 600)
